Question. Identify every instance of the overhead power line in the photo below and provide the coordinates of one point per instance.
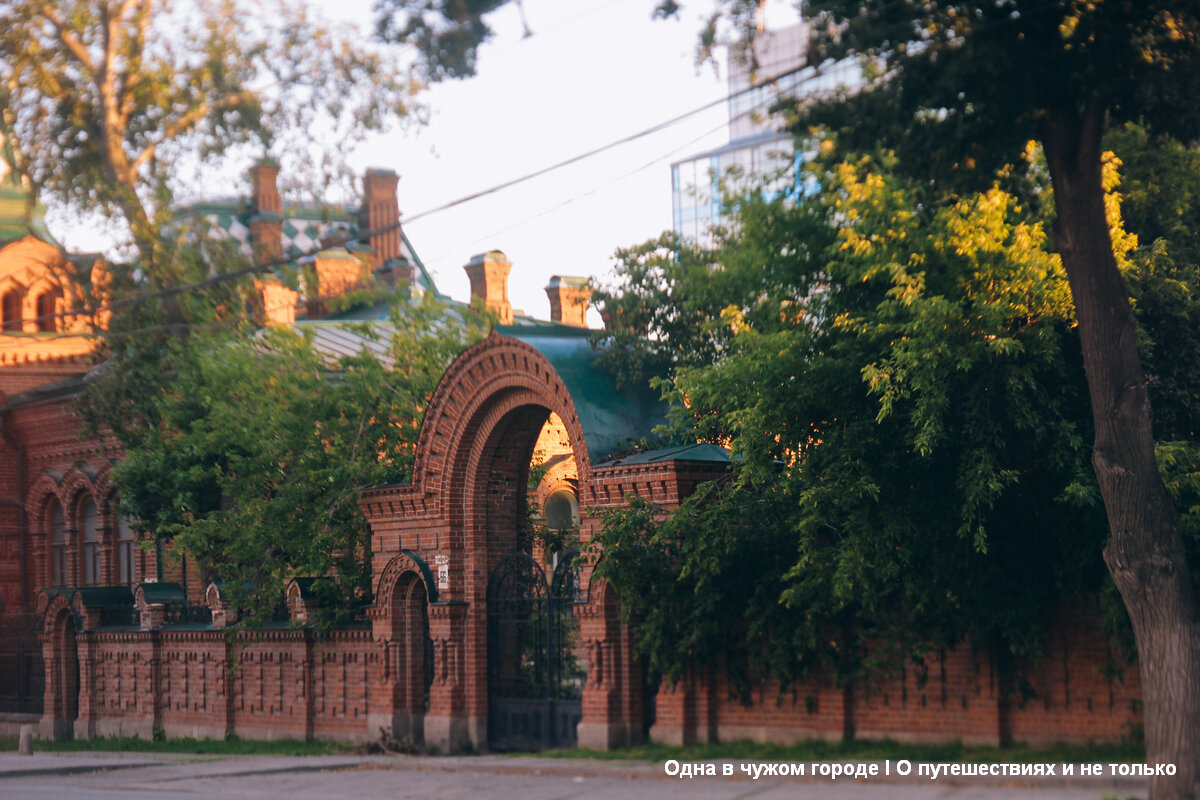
(609, 146)
(267, 265)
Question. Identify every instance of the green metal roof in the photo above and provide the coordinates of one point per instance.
(703, 453)
(163, 593)
(20, 215)
(610, 416)
(97, 596)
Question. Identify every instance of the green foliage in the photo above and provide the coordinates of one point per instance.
(957, 88)
(1160, 201)
(901, 387)
(446, 33)
(250, 454)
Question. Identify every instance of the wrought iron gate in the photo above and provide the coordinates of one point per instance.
(535, 669)
(22, 675)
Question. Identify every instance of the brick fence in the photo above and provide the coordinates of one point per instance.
(427, 663)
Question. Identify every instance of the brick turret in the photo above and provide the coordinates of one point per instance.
(381, 212)
(569, 300)
(489, 282)
(266, 224)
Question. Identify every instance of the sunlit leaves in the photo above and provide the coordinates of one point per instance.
(908, 417)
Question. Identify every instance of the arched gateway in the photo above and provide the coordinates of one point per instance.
(525, 652)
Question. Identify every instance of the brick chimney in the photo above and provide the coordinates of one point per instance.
(266, 221)
(489, 282)
(380, 210)
(569, 300)
(276, 302)
(336, 272)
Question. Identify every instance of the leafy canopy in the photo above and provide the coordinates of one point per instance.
(251, 456)
(901, 387)
(955, 89)
(117, 105)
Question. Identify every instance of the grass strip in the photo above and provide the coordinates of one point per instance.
(222, 747)
(867, 750)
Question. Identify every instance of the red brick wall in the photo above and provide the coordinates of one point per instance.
(463, 505)
(279, 683)
(1075, 699)
(956, 696)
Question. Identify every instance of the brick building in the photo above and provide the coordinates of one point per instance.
(484, 631)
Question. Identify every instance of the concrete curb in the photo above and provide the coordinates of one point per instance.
(76, 769)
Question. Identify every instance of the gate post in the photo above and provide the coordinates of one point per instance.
(447, 726)
(612, 697)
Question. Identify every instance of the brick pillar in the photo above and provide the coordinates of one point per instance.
(158, 700)
(85, 723)
(609, 702)
(674, 715)
(108, 564)
(448, 725)
(223, 713)
(632, 698)
(569, 300)
(73, 574)
(61, 663)
(488, 273)
(685, 713)
(266, 222)
(304, 706)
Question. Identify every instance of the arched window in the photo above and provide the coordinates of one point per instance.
(562, 511)
(90, 528)
(47, 310)
(10, 309)
(125, 569)
(58, 546)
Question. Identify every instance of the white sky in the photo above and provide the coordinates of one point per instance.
(592, 72)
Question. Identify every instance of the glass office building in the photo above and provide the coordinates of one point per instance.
(757, 148)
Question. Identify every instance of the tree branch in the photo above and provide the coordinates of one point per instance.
(131, 78)
(188, 120)
(69, 39)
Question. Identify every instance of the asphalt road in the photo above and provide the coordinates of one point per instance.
(116, 775)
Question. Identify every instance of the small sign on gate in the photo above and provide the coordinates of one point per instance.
(442, 564)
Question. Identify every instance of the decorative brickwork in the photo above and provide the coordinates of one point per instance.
(463, 509)
(425, 667)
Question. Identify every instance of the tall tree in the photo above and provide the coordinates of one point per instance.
(251, 456)
(958, 88)
(116, 104)
(901, 385)
(109, 98)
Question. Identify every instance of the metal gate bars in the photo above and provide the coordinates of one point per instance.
(535, 670)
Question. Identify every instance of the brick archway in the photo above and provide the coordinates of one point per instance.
(462, 513)
(400, 621)
(489, 379)
(61, 658)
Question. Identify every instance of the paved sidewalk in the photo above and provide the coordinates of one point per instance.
(175, 777)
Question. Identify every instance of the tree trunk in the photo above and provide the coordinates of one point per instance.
(1145, 553)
